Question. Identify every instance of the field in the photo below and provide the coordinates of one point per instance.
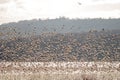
(93, 55)
(59, 70)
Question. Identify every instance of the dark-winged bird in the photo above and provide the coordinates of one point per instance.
(79, 3)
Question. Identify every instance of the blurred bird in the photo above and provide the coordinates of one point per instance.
(79, 3)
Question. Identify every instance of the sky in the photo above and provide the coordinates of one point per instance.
(16, 10)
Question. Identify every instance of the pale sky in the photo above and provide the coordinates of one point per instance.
(15, 10)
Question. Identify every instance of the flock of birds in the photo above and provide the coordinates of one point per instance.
(88, 46)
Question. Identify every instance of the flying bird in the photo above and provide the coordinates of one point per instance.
(79, 3)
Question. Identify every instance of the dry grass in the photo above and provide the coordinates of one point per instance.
(59, 71)
(69, 76)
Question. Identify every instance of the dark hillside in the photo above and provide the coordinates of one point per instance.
(87, 46)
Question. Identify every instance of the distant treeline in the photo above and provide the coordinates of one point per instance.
(63, 25)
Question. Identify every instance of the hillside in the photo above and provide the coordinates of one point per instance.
(63, 25)
(88, 46)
